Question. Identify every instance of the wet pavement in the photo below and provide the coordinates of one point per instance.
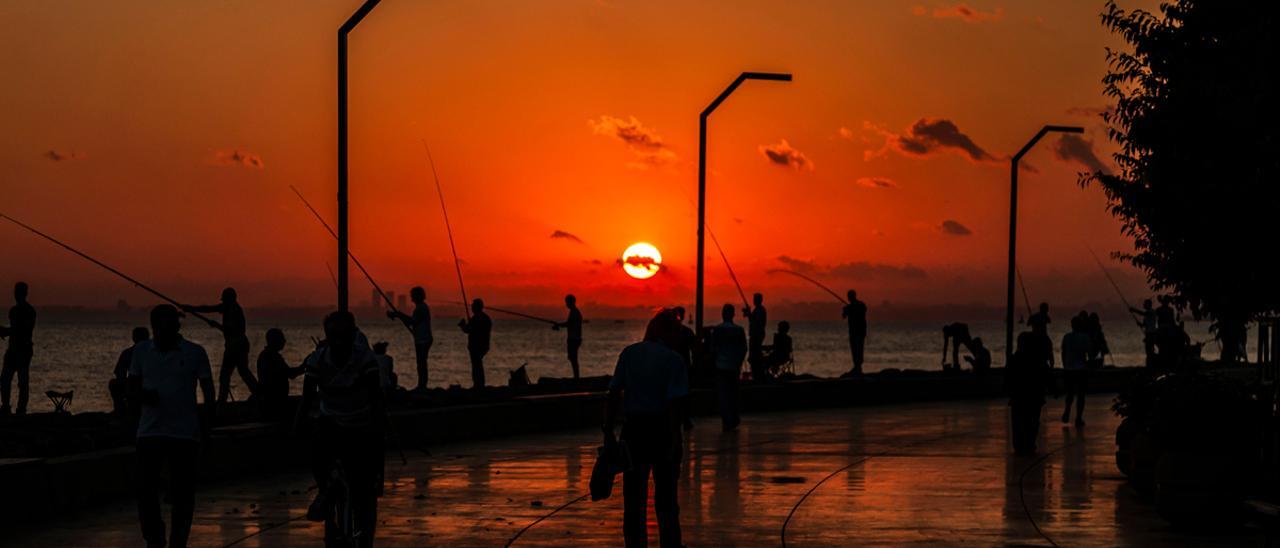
(936, 473)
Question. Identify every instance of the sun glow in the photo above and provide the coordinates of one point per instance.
(641, 261)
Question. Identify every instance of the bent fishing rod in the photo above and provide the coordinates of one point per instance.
(812, 281)
(1114, 286)
(126, 277)
(505, 311)
(732, 276)
(457, 265)
(1025, 300)
(367, 276)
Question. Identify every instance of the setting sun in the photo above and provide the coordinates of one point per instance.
(641, 261)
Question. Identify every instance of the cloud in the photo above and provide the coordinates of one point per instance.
(1074, 148)
(237, 157)
(784, 155)
(876, 182)
(642, 141)
(59, 156)
(845, 133)
(856, 270)
(562, 235)
(1088, 112)
(960, 11)
(928, 136)
(954, 228)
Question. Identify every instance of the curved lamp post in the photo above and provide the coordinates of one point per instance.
(702, 173)
(343, 31)
(1013, 228)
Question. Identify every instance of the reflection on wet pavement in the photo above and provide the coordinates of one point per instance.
(921, 473)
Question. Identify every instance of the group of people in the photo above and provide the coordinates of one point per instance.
(1163, 336)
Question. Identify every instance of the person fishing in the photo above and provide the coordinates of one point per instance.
(235, 353)
(757, 323)
(118, 386)
(573, 338)
(420, 324)
(478, 329)
(1026, 380)
(648, 383)
(274, 374)
(1039, 322)
(855, 313)
(728, 348)
(163, 375)
(1099, 350)
(953, 336)
(1076, 347)
(17, 357)
(1150, 329)
(342, 394)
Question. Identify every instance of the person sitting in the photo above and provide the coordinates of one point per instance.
(274, 374)
(779, 353)
(980, 360)
(386, 368)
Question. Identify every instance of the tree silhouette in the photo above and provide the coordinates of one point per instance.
(1195, 116)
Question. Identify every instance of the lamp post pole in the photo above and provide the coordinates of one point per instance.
(343, 241)
(1013, 229)
(702, 174)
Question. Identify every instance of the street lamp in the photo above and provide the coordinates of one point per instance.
(702, 172)
(1013, 229)
(343, 31)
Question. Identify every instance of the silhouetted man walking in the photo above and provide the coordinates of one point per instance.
(162, 379)
(573, 339)
(420, 324)
(729, 347)
(235, 353)
(1076, 346)
(17, 357)
(648, 383)
(856, 314)
(1026, 378)
(478, 331)
(118, 387)
(757, 322)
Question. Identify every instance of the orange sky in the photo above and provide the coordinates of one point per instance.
(162, 137)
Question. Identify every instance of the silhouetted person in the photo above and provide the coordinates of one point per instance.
(344, 395)
(780, 351)
(1039, 322)
(17, 357)
(235, 353)
(648, 382)
(953, 336)
(118, 386)
(856, 314)
(386, 368)
(979, 358)
(274, 374)
(1100, 349)
(728, 348)
(1166, 315)
(478, 331)
(573, 338)
(163, 376)
(684, 344)
(1026, 378)
(1076, 346)
(757, 323)
(420, 324)
(1150, 329)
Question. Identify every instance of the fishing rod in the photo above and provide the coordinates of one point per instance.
(130, 279)
(1025, 300)
(732, 276)
(457, 265)
(1114, 286)
(812, 281)
(367, 276)
(505, 311)
(331, 275)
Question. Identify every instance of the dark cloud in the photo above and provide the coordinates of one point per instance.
(784, 155)
(876, 182)
(857, 270)
(954, 228)
(636, 260)
(59, 156)
(237, 157)
(930, 135)
(643, 142)
(594, 262)
(1074, 148)
(562, 235)
(960, 11)
(1088, 112)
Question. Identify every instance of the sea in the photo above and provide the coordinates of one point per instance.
(77, 354)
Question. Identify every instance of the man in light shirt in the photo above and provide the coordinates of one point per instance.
(1075, 367)
(729, 348)
(163, 376)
